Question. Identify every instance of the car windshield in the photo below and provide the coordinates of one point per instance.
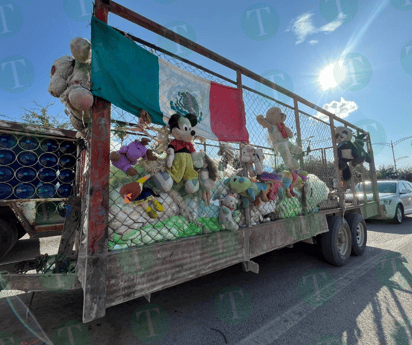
(383, 187)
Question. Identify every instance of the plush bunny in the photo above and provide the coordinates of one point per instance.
(254, 160)
(225, 218)
(279, 135)
(180, 152)
(128, 156)
(208, 175)
(70, 81)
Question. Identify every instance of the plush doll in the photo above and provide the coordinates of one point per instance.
(140, 195)
(208, 175)
(70, 81)
(254, 159)
(247, 189)
(349, 151)
(128, 156)
(225, 218)
(180, 152)
(279, 135)
(275, 184)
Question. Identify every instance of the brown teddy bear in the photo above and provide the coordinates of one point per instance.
(279, 135)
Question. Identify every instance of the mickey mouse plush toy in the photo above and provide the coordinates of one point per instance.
(180, 152)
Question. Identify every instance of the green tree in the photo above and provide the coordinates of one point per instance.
(39, 115)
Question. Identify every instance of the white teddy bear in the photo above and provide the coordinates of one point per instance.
(228, 206)
(70, 81)
(254, 159)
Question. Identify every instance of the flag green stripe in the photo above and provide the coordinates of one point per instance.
(124, 73)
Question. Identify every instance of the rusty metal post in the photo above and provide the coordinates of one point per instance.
(299, 134)
(341, 194)
(95, 250)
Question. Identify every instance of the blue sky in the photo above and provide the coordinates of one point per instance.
(297, 40)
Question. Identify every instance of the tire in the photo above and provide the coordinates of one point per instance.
(8, 237)
(337, 242)
(397, 219)
(359, 233)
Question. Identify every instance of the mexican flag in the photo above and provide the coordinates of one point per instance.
(133, 78)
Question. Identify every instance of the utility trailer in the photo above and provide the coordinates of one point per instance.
(37, 174)
(111, 277)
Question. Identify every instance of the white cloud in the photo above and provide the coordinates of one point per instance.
(302, 26)
(312, 42)
(341, 109)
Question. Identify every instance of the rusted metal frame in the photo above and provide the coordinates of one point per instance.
(40, 130)
(352, 184)
(177, 57)
(95, 261)
(341, 194)
(10, 202)
(148, 24)
(373, 175)
(298, 131)
(71, 227)
(22, 218)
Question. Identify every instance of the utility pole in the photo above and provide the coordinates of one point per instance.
(394, 160)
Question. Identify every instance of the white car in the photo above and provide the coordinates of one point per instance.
(395, 195)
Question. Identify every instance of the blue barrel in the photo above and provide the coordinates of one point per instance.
(68, 147)
(6, 174)
(7, 141)
(64, 190)
(48, 160)
(47, 175)
(26, 174)
(46, 190)
(27, 158)
(28, 143)
(67, 161)
(66, 175)
(24, 191)
(5, 191)
(7, 157)
(49, 145)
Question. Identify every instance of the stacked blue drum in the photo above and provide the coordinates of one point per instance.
(36, 167)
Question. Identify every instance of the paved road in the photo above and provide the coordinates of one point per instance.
(297, 298)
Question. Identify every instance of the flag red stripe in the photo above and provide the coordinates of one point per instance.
(227, 113)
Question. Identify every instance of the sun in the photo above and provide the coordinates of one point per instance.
(326, 78)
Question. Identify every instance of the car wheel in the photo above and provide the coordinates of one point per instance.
(8, 237)
(337, 242)
(359, 233)
(397, 219)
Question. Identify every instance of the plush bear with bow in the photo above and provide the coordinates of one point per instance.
(279, 135)
(70, 81)
(128, 156)
(181, 152)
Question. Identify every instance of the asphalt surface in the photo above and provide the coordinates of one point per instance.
(297, 298)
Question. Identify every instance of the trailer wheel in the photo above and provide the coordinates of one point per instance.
(359, 233)
(337, 242)
(8, 237)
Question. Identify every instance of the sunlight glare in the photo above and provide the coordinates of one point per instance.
(327, 79)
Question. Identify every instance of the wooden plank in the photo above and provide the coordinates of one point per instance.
(95, 253)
